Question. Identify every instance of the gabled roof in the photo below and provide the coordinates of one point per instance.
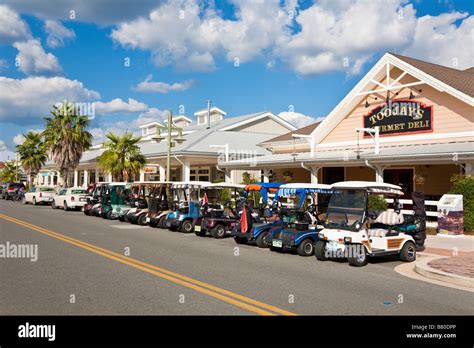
(413, 67)
(289, 136)
(258, 117)
(213, 109)
(462, 80)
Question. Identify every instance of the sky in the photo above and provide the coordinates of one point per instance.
(133, 60)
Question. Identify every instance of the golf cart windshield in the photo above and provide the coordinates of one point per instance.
(346, 209)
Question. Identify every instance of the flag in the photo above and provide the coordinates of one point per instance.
(243, 221)
(205, 200)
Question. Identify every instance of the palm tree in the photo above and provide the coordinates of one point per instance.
(122, 157)
(32, 154)
(9, 172)
(66, 138)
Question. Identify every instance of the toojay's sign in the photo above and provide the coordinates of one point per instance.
(400, 116)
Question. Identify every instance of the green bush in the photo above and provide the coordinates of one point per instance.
(377, 203)
(464, 185)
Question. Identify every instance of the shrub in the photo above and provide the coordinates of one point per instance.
(464, 185)
(377, 203)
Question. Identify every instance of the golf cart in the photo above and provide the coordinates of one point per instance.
(353, 231)
(160, 203)
(94, 201)
(257, 218)
(115, 202)
(302, 222)
(185, 206)
(217, 219)
(139, 199)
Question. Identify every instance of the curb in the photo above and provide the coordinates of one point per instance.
(422, 268)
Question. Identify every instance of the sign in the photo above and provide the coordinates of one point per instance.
(399, 117)
(150, 169)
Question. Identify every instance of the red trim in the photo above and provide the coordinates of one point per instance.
(403, 133)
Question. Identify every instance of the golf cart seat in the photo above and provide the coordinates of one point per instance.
(384, 224)
(389, 218)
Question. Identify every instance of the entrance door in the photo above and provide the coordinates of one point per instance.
(332, 175)
(401, 177)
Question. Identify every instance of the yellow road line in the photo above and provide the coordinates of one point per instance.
(205, 288)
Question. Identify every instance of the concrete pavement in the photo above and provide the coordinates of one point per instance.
(104, 286)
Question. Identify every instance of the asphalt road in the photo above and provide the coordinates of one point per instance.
(226, 278)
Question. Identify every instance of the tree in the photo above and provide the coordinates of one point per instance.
(122, 157)
(32, 154)
(66, 137)
(9, 172)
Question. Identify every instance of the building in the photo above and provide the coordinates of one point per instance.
(420, 117)
(206, 142)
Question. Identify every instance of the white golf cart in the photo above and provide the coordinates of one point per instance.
(352, 231)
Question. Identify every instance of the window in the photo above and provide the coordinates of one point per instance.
(200, 174)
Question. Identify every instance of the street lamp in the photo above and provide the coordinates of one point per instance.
(177, 139)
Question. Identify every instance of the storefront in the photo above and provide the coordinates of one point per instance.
(407, 122)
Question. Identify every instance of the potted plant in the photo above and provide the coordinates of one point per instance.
(287, 175)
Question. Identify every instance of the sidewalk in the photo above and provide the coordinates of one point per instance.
(449, 259)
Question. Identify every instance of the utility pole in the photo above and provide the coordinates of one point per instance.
(208, 114)
(170, 143)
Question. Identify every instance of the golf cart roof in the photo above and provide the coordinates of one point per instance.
(372, 186)
(263, 185)
(224, 185)
(190, 184)
(305, 186)
(301, 190)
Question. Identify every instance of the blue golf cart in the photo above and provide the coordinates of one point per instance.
(305, 202)
(260, 218)
(185, 206)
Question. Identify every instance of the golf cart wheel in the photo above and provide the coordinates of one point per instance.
(66, 208)
(240, 240)
(320, 251)
(142, 220)
(24, 200)
(306, 248)
(187, 226)
(109, 215)
(259, 240)
(53, 205)
(200, 233)
(218, 231)
(161, 222)
(34, 201)
(152, 223)
(408, 252)
(87, 212)
(360, 259)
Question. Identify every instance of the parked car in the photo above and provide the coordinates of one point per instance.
(11, 188)
(72, 198)
(39, 195)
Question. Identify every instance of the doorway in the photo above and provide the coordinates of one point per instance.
(333, 174)
(402, 177)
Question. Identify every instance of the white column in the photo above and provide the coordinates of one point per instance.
(314, 174)
(109, 177)
(76, 177)
(266, 175)
(379, 173)
(60, 179)
(163, 177)
(185, 171)
(142, 175)
(86, 178)
(97, 175)
(228, 176)
(469, 168)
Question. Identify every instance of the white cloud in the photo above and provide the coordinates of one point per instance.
(162, 87)
(117, 105)
(297, 119)
(438, 40)
(31, 98)
(13, 28)
(5, 153)
(151, 115)
(183, 34)
(58, 34)
(342, 35)
(3, 64)
(33, 60)
(18, 139)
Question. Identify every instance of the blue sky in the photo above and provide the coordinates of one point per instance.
(290, 55)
